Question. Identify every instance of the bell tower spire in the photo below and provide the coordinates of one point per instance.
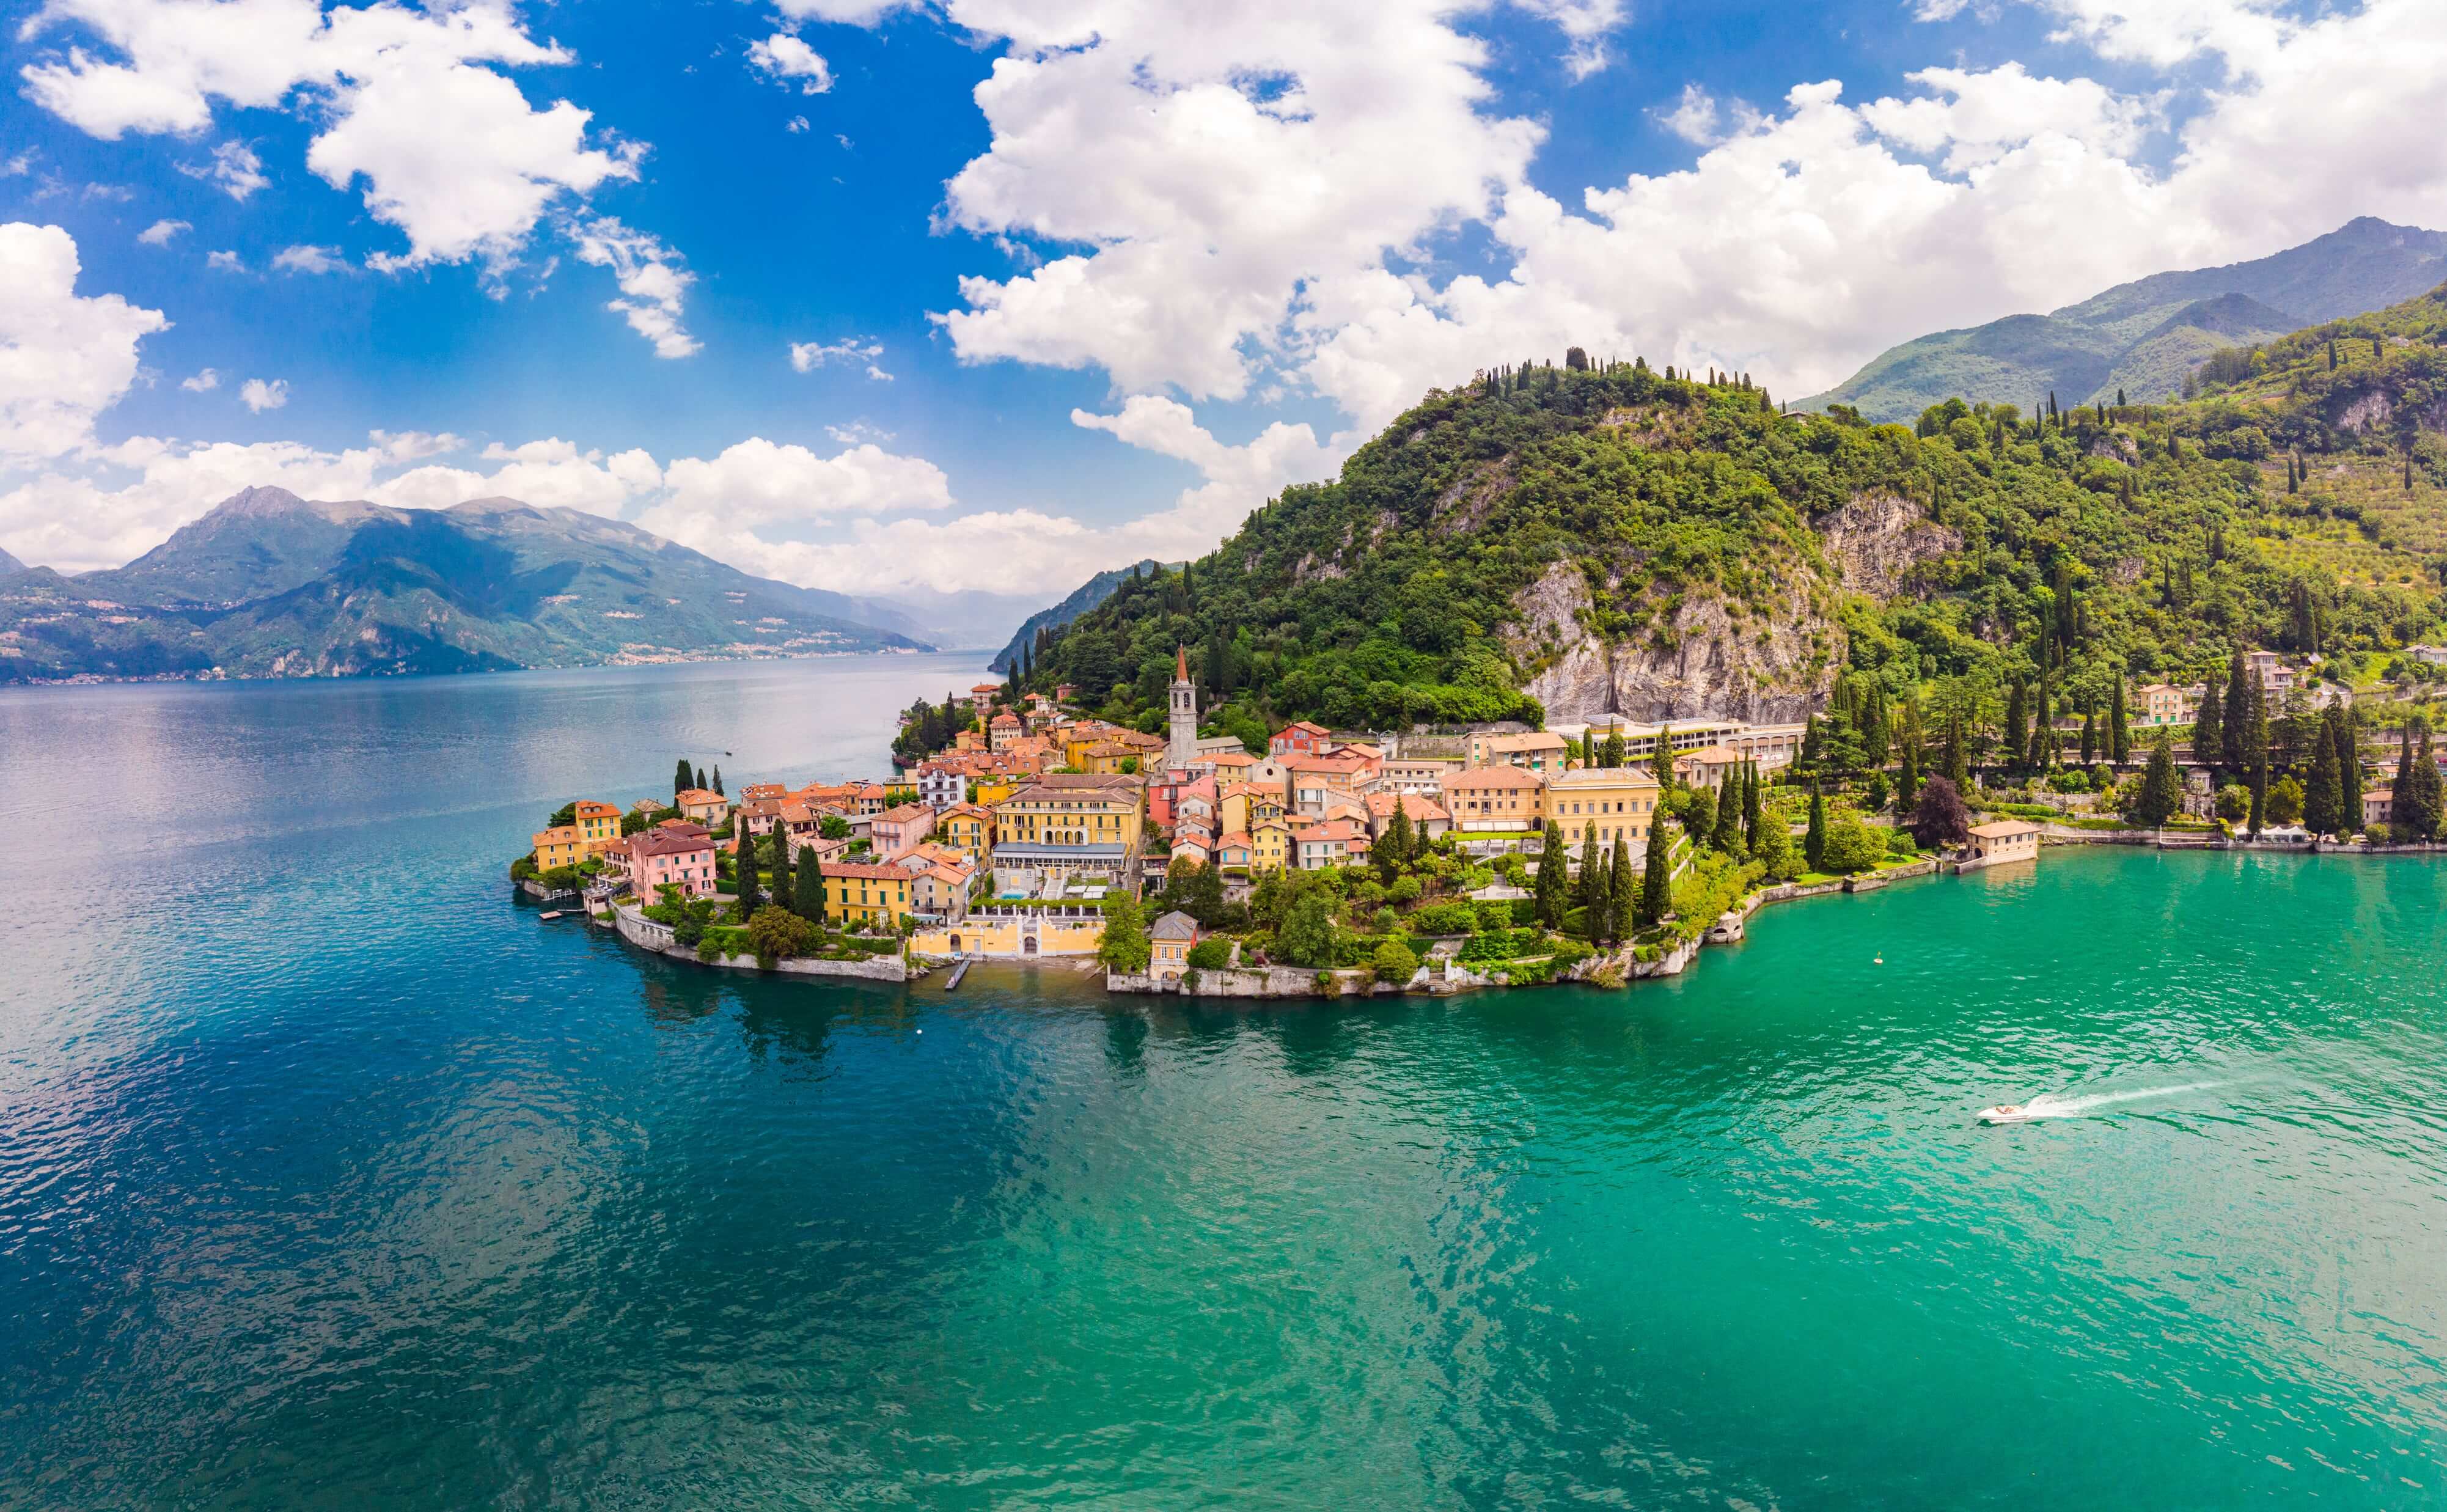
(1181, 748)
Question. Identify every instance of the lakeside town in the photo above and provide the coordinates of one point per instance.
(1017, 826)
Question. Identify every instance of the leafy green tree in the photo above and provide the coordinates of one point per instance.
(1775, 852)
(2160, 796)
(1851, 846)
(1813, 842)
(1939, 816)
(1553, 887)
(1610, 755)
(2286, 801)
(1307, 937)
(833, 826)
(1622, 891)
(2232, 803)
(1656, 875)
(1125, 947)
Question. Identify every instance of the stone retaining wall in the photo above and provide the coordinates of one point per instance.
(648, 935)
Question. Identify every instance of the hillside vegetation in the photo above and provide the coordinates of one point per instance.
(1949, 560)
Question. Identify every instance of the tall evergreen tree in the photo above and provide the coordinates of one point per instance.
(700, 778)
(2119, 727)
(2239, 686)
(2349, 762)
(2162, 793)
(682, 779)
(1588, 748)
(2415, 805)
(1813, 842)
(1957, 753)
(2259, 793)
(1727, 835)
(748, 894)
(2323, 796)
(1596, 896)
(717, 777)
(1622, 893)
(807, 888)
(1751, 817)
(2255, 726)
(1553, 887)
(1907, 759)
(784, 891)
(2017, 734)
(2089, 736)
(2209, 728)
(1661, 763)
(1393, 851)
(1657, 875)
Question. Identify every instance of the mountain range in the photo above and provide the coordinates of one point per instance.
(2144, 338)
(1082, 599)
(268, 584)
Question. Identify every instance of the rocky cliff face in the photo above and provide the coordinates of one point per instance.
(1715, 658)
(1711, 659)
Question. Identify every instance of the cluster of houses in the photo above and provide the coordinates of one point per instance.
(2157, 703)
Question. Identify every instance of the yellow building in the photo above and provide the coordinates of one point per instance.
(1270, 845)
(597, 826)
(993, 789)
(1609, 803)
(968, 829)
(1068, 823)
(561, 846)
(856, 893)
(1014, 932)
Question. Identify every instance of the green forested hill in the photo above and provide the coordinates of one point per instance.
(1685, 525)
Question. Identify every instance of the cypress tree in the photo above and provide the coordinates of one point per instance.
(2399, 826)
(717, 777)
(2089, 736)
(2239, 686)
(1595, 894)
(2017, 734)
(2208, 734)
(2323, 796)
(1661, 762)
(2349, 763)
(1750, 813)
(1553, 887)
(1657, 878)
(2259, 793)
(1727, 837)
(807, 888)
(2416, 801)
(682, 779)
(1394, 850)
(2161, 793)
(2255, 728)
(700, 778)
(745, 867)
(1623, 892)
(1958, 756)
(2119, 727)
(1589, 750)
(784, 891)
(1813, 843)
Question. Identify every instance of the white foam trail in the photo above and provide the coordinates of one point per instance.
(2047, 1104)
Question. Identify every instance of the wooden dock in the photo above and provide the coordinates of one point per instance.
(952, 983)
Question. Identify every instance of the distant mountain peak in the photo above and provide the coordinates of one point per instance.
(260, 498)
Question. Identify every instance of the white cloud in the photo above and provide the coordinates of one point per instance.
(783, 58)
(850, 12)
(375, 80)
(1977, 118)
(17, 164)
(161, 233)
(226, 261)
(552, 473)
(397, 447)
(73, 522)
(259, 395)
(204, 382)
(1585, 25)
(64, 357)
(797, 125)
(807, 356)
(1693, 118)
(310, 259)
(235, 168)
(653, 285)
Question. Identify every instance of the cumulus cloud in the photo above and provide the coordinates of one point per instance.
(552, 473)
(234, 169)
(204, 382)
(75, 521)
(310, 259)
(807, 356)
(375, 78)
(260, 394)
(161, 233)
(64, 357)
(653, 285)
(226, 261)
(1585, 25)
(784, 59)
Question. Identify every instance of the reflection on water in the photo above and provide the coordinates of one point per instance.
(329, 1175)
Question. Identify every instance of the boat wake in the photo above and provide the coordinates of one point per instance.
(2048, 1105)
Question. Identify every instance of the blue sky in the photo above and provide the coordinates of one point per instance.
(1129, 267)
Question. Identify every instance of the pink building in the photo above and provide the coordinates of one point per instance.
(898, 831)
(678, 854)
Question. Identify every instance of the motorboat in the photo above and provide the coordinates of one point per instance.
(2008, 1113)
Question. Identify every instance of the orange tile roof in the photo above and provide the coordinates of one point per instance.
(856, 870)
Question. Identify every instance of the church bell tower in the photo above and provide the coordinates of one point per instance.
(1182, 748)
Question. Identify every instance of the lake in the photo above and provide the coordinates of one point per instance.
(330, 1177)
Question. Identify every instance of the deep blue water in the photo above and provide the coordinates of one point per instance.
(331, 1177)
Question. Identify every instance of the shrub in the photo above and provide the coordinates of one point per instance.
(1446, 919)
(774, 933)
(522, 868)
(1902, 843)
(1495, 915)
(561, 877)
(1394, 963)
(1211, 954)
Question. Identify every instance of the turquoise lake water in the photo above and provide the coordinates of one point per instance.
(332, 1178)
